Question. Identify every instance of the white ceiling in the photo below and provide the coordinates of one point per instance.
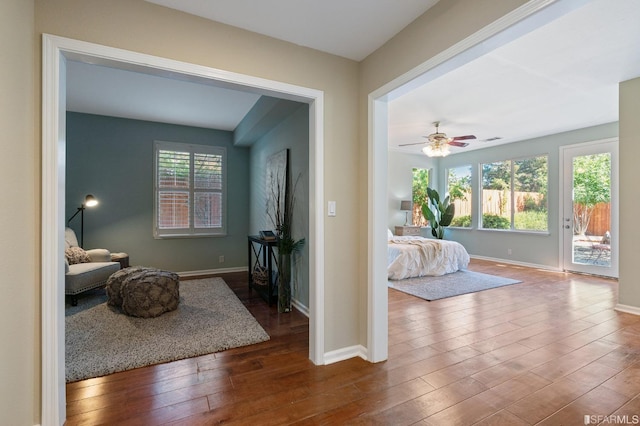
(349, 28)
(559, 77)
(562, 76)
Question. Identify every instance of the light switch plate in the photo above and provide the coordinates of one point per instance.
(332, 208)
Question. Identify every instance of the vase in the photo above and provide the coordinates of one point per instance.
(284, 283)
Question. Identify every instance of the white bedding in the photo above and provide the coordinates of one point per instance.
(418, 256)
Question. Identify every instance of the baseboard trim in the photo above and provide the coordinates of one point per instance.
(628, 309)
(304, 310)
(186, 274)
(517, 263)
(345, 353)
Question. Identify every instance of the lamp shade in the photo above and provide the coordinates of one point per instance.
(90, 201)
(405, 205)
(436, 150)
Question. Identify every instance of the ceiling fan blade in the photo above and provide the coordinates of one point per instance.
(460, 144)
(463, 138)
(409, 144)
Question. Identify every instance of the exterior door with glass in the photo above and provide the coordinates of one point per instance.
(590, 208)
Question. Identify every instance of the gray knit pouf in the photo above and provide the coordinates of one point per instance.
(144, 292)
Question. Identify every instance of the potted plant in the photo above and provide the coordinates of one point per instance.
(439, 214)
(281, 215)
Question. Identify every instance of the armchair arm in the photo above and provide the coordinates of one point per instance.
(99, 255)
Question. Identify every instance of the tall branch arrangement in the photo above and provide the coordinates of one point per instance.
(280, 211)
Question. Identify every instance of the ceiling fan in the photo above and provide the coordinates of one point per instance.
(437, 142)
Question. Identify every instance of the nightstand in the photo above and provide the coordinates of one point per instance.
(408, 230)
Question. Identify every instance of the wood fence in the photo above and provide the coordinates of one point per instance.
(499, 203)
(600, 221)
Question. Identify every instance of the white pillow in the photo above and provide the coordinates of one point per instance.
(389, 234)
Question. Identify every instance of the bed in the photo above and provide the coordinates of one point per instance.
(410, 256)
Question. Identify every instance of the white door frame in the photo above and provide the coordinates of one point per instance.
(55, 52)
(520, 21)
(566, 206)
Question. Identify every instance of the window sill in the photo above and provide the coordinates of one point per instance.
(178, 236)
(517, 231)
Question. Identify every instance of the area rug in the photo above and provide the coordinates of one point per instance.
(461, 282)
(210, 318)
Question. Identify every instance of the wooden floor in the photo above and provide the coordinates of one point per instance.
(548, 351)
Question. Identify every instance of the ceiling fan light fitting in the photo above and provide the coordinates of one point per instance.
(436, 150)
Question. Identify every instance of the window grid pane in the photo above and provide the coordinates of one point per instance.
(530, 194)
(496, 195)
(173, 212)
(207, 210)
(419, 195)
(173, 169)
(207, 171)
(460, 192)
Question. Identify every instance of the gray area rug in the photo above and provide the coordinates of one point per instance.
(210, 318)
(461, 282)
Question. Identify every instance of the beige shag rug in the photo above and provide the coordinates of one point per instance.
(210, 318)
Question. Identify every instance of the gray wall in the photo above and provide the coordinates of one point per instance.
(533, 248)
(112, 158)
(292, 134)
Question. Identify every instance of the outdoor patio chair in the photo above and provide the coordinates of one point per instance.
(600, 248)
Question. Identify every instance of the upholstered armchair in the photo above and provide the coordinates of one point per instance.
(85, 269)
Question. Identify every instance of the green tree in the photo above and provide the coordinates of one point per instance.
(591, 185)
(530, 174)
(419, 195)
(459, 186)
(496, 175)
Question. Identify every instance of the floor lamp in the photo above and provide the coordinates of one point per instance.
(89, 201)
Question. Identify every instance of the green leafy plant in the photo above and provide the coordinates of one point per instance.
(462, 221)
(531, 220)
(438, 213)
(493, 221)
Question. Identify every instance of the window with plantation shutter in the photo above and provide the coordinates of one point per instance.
(189, 190)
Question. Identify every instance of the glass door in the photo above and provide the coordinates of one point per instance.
(590, 208)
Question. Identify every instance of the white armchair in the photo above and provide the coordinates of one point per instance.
(92, 271)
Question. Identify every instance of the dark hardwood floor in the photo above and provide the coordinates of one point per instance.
(548, 351)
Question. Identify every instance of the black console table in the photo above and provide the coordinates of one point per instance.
(262, 256)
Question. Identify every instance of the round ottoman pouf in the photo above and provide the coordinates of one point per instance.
(115, 281)
(144, 292)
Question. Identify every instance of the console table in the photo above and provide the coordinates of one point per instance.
(261, 256)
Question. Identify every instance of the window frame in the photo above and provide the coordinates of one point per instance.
(512, 226)
(191, 231)
(471, 195)
(425, 223)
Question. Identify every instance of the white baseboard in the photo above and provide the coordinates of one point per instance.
(634, 310)
(212, 271)
(304, 310)
(345, 353)
(517, 263)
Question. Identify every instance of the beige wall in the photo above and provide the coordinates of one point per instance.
(629, 283)
(19, 218)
